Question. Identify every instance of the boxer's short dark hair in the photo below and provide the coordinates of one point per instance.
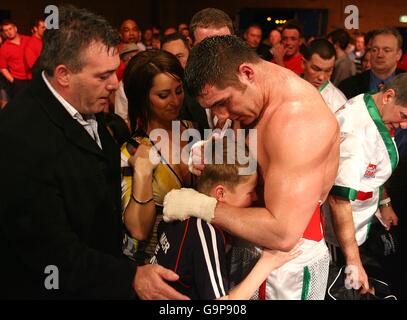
(215, 61)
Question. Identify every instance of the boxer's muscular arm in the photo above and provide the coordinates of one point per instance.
(295, 176)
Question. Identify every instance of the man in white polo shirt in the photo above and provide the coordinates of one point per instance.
(368, 156)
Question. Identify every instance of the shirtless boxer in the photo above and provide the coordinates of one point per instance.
(297, 153)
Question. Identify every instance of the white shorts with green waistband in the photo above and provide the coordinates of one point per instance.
(304, 278)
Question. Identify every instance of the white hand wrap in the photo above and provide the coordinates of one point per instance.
(180, 204)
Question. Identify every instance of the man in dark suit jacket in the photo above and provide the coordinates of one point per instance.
(360, 83)
(60, 218)
(385, 53)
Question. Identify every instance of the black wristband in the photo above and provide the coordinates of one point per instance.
(141, 202)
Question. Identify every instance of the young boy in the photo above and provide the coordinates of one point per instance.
(195, 249)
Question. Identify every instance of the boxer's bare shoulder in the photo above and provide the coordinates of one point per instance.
(299, 135)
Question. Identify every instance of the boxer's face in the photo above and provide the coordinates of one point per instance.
(231, 103)
(242, 99)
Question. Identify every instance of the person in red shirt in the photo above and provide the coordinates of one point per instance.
(12, 64)
(287, 53)
(129, 33)
(34, 45)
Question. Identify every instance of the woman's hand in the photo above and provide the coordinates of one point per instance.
(145, 160)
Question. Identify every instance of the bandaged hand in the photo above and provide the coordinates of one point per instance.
(180, 204)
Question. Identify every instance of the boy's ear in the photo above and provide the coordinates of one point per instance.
(220, 193)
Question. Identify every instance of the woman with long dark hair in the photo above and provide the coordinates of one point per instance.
(154, 89)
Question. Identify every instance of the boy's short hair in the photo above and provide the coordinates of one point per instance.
(217, 169)
(215, 61)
